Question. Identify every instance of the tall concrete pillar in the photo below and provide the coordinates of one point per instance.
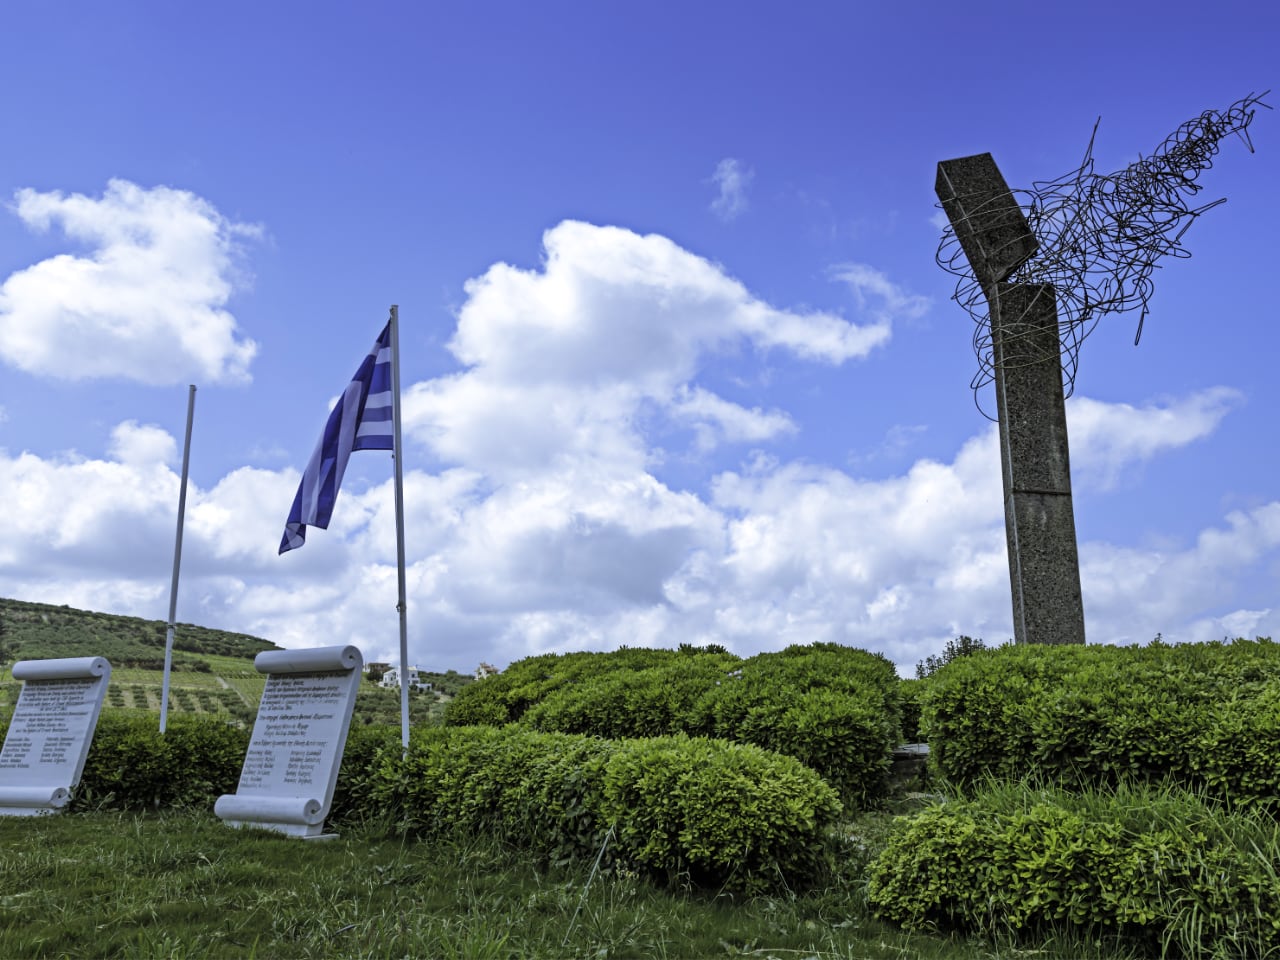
(1044, 566)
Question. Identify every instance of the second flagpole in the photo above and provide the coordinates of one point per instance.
(177, 561)
(401, 606)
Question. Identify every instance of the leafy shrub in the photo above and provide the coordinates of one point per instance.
(653, 700)
(1158, 868)
(506, 697)
(721, 814)
(1204, 715)
(845, 736)
(715, 813)
(131, 766)
(1236, 753)
(361, 758)
(832, 707)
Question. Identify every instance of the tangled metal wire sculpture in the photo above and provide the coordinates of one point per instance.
(1099, 236)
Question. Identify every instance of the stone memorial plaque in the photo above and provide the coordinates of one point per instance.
(50, 732)
(291, 766)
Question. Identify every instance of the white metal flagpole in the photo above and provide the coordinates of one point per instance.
(177, 560)
(401, 606)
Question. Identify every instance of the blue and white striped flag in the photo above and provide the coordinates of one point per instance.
(361, 420)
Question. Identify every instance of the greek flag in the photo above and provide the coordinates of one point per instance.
(361, 420)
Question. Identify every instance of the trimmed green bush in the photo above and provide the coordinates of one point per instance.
(1203, 715)
(526, 683)
(722, 814)
(131, 766)
(1159, 869)
(361, 758)
(834, 708)
(651, 700)
(712, 813)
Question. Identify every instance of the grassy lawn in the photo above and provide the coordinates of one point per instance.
(183, 885)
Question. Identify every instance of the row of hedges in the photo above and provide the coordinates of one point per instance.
(834, 708)
(1155, 826)
(712, 813)
(1206, 716)
(132, 766)
(1162, 871)
(506, 698)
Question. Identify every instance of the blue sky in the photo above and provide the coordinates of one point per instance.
(679, 365)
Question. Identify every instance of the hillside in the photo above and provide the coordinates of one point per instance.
(40, 630)
(213, 669)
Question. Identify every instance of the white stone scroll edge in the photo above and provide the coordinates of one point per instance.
(68, 668)
(315, 660)
(32, 800)
(305, 811)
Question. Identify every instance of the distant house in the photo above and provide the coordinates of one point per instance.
(392, 679)
(486, 670)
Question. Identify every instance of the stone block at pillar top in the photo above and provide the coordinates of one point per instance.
(1044, 568)
(987, 220)
(1035, 453)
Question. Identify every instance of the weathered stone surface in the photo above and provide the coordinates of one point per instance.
(1029, 402)
(987, 220)
(1044, 566)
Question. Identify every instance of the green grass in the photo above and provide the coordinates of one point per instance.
(184, 885)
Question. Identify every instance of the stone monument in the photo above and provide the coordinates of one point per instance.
(1040, 528)
(50, 732)
(1036, 278)
(291, 766)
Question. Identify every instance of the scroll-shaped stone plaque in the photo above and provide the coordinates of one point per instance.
(292, 763)
(50, 732)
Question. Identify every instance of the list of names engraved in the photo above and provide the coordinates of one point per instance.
(49, 726)
(296, 736)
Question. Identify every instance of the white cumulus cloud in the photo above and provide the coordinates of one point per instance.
(565, 362)
(146, 301)
(134, 443)
(589, 555)
(1107, 438)
(549, 524)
